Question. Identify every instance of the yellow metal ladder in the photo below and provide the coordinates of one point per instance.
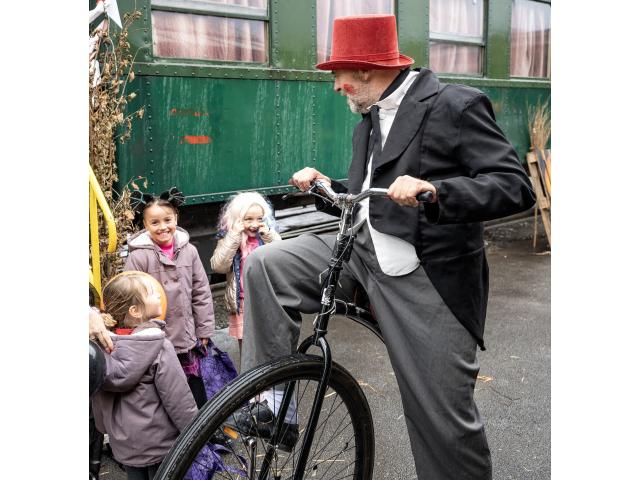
(96, 198)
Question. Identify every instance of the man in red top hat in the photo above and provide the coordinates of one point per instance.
(424, 268)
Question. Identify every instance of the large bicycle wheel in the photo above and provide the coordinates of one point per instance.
(343, 444)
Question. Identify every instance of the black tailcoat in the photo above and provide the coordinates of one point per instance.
(447, 135)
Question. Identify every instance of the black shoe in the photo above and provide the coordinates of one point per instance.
(257, 420)
(219, 438)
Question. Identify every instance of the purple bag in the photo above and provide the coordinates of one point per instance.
(209, 461)
(216, 369)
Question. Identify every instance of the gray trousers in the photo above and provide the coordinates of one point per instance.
(432, 354)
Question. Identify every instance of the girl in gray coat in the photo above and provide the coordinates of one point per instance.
(145, 401)
(162, 249)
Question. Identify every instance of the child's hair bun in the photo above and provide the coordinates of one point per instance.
(174, 196)
(138, 200)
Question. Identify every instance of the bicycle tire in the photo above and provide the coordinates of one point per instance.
(298, 368)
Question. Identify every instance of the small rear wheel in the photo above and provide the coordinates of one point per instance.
(343, 443)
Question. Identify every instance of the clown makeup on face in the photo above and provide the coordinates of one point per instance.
(160, 222)
(253, 220)
(355, 85)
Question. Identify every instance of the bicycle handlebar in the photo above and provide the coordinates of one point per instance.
(343, 198)
(425, 197)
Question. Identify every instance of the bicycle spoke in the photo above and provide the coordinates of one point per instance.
(324, 424)
(342, 450)
(345, 449)
(333, 463)
(295, 451)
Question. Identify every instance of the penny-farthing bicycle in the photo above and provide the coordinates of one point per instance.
(334, 437)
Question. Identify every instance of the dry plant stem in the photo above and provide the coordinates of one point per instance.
(539, 125)
(107, 116)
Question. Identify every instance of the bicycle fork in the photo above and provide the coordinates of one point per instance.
(313, 418)
(343, 245)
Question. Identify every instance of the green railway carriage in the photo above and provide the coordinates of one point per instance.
(232, 100)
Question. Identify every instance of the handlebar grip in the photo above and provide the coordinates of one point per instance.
(426, 197)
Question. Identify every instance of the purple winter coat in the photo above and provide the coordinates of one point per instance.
(145, 401)
(184, 280)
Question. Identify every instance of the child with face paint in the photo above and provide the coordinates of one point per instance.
(162, 249)
(244, 226)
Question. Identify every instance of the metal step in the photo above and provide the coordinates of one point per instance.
(297, 220)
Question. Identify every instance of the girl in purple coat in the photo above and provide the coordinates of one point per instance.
(162, 249)
(145, 401)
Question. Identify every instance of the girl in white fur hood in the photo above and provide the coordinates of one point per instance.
(244, 226)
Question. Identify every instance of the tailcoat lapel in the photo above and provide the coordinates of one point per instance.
(409, 118)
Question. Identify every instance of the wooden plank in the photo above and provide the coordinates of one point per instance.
(541, 189)
(546, 221)
(543, 202)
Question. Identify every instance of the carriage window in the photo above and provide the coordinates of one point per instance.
(456, 36)
(530, 39)
(232, 30)
(328, 10)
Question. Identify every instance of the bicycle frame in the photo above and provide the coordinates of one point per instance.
(329, 306)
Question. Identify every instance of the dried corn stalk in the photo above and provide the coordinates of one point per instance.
(109, 122)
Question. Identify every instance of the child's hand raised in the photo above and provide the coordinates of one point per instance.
(262, 228)
(238, 226)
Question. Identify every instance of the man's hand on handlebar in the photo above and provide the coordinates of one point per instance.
(303, 178)
(404, 190)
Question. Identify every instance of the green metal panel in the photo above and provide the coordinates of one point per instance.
(335, 128)
(413, 29)
(140, 32)
(293, 34)
(214, 129)
(510, 106)
(211, 137)
(498, 49)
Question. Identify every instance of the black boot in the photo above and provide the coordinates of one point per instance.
(95, 448)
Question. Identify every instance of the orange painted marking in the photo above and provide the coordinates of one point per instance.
(187, 112)
(196, 139)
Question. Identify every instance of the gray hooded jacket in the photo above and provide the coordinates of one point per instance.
(145, 401)
(184, 280)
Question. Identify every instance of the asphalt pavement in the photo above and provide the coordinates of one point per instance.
(514, 384)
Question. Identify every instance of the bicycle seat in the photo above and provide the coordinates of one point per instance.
(358, 308)
(361, 299)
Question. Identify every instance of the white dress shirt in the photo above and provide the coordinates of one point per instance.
(395, 256)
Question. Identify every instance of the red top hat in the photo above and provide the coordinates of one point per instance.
(365, 42)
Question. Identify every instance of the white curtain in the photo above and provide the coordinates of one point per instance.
(328, 10)
(456, 17)
(207, 37)
(530, 38)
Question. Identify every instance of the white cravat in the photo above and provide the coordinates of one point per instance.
(395, 256)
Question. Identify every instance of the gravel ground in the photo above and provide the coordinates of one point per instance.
(221, 313)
